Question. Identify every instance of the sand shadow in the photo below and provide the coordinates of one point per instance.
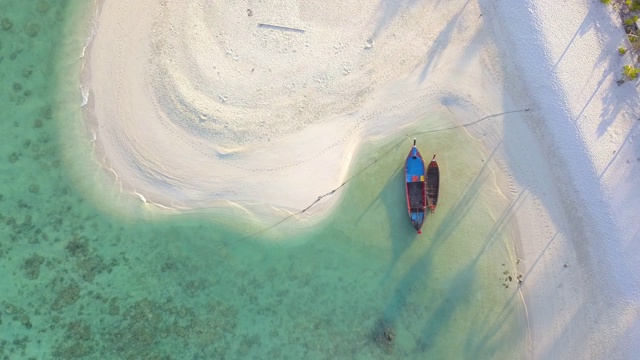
(387, 11)
(440, 43)
(543, 174)
(458, 212)
(423, 266)
(488, 343)
(616, 98)
(458, 295)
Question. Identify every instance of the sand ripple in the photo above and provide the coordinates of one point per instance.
(203, 103)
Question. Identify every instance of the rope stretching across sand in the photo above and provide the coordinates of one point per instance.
(370, 164)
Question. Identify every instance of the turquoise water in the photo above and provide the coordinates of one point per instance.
(82, 281)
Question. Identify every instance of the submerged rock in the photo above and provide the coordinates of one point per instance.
(79, 330)
(74, 351)
(6, 24)
(383, 335)
(67, 296)
(32, 266)
(32, 29)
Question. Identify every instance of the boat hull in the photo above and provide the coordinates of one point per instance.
(433, 184)
(416, 188)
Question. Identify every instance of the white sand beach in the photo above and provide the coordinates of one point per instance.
(265, 104)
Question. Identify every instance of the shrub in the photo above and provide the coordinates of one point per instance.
(630, 72)
(606, 2)
(622, 51)
(635, 6)
(632, 20)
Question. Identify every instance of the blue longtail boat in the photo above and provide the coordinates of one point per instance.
(416, 187)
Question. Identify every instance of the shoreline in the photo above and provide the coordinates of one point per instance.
(475, 61)
(181, 186)
(569, 121)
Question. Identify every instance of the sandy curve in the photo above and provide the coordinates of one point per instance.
(198, 105)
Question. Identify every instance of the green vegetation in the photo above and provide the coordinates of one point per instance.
(629, 11)
(632, 20)
(631, 5)
(631, 72)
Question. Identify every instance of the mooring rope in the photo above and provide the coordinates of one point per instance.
(373, 162)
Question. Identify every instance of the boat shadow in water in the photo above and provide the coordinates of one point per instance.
(401, 234)
(457, 292)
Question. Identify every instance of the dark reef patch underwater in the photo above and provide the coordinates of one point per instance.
(80, 283)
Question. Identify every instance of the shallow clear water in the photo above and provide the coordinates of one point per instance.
(81, 282)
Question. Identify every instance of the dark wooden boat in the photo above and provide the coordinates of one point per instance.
(416, 188)
(433, 184)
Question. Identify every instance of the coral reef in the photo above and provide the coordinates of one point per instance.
(32, 266)
(67, 295)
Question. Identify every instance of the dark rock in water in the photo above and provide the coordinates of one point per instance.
(78, 330)
(6, 24)
(47, 112)
(383, 335)
(32, 266)
(91, 266)
(26, 321)
(32, 29)
(67, 296)
(77, 247)
(74, 351)
(114, 310)
(9, 309)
